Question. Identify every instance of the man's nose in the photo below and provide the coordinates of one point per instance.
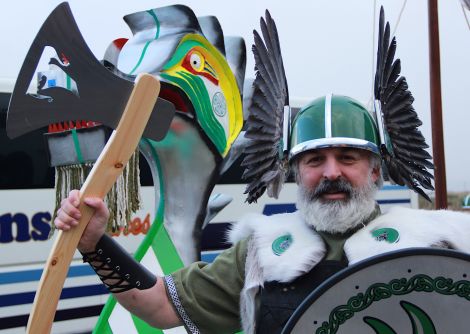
(332, 169)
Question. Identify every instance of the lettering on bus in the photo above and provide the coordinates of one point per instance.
(136, 226)
(38, 230)
(17, 227)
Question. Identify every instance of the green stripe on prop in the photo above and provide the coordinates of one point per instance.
(68, 82)
(143, 328)
(144, 51)
(102, 326)
(76, 144)
(165, 252)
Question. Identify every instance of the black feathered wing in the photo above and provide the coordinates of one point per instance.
(403, 147)
(266, 162)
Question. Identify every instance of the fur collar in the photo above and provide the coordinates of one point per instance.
(306, 250)
(416, 228)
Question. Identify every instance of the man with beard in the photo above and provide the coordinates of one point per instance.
(276, 261)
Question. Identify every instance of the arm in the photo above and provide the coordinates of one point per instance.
(149, 301)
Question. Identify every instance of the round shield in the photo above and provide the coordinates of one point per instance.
(417, 290)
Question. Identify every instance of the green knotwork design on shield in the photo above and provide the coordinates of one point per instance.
(396, 287)
(416, 314)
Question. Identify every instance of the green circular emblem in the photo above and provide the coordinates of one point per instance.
(387, 234)
(219, 105)
(281, 244)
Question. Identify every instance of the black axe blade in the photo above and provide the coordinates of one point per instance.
(102, 95)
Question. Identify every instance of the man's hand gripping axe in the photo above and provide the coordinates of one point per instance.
(101, 95)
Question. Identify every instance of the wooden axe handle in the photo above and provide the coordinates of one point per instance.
(106, 170)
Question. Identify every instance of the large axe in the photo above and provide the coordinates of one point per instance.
(101, 96)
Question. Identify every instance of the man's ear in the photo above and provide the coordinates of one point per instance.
(376, 171)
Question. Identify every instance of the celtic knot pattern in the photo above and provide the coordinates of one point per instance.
(396, 287)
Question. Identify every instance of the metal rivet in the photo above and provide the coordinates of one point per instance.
(127, 276)
(137, 283)
(108, 260)
(100, 251)
(285, 289)
(118, 268)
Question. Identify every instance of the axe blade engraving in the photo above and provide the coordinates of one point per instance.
(102, 95)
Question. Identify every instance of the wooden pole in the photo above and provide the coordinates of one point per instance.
(106, 170)
(436, 107)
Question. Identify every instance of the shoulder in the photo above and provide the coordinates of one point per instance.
(415, 228)
(283, 245)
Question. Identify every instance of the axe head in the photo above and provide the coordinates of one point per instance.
(91, 92)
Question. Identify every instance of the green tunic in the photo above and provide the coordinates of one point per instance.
(210, 293)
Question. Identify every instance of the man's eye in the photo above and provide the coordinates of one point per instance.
(348, 158)
(314, 160)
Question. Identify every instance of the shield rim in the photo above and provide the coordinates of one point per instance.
(348, 271)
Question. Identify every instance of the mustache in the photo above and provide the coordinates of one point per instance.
(327, 187)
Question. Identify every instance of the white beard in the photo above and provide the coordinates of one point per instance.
(337, 216)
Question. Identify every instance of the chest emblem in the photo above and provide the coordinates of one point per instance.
(387, 234)
(281, 244)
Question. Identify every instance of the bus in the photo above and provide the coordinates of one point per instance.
(27, 202)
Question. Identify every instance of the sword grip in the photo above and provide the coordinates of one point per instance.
(106, 170)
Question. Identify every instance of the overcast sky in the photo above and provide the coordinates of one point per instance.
(327, 47)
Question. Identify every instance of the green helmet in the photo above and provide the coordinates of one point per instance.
(333, 121)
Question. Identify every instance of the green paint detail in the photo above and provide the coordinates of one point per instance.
(196, 90)
(68, 81)
(414, 312)
(387, 234)
(181, 52)
(144, 50)
(102, 326)
(379, 326)
(396, 287)
(281, 244)
(166, 252)
(76, 144)
(143, 327)
(158, 240)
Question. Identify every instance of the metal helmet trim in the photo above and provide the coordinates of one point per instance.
(333, 142)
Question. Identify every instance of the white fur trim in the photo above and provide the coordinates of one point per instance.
(253, 282)
(306, 250)
(417, 228)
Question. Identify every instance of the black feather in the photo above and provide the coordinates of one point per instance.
(409, 162)
(264, 168)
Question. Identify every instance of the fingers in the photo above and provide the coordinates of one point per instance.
(101, 211)
(68, 215)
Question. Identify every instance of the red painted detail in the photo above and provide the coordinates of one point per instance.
(177, 127)
(64, 59)
(119, 42)
(68, 125)
(174, 98)
(52, 128)
(187, 65)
